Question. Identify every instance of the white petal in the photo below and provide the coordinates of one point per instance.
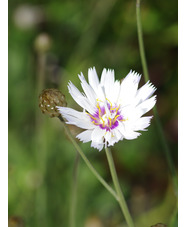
(98, 134)
(80, 119)
(107, 136)
(101, 93)
(133, 77)
(107, 81)
(97, 145)
(117, 134)
(112, 136)
(107, 77)
(127, 133)
(80, 99)
(85, 136)
(88, 90)
(145, 92)
(142, 123)
(115, 92)
(129, 88)
(103, 76)
(129, 112)
(145, 106)
(93, 78)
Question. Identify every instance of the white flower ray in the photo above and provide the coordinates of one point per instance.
(80, 98)
(93, 78)
(80, 119)
(85, 136)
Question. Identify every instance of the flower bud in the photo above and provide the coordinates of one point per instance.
(49, 99)
(42, 43)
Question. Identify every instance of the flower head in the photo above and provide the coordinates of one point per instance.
(112, 111)
(49, 99)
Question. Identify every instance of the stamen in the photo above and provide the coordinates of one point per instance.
(124, 119)
(91, 116)
(104, 118)
(110, 121)
(116, 116)
(100, 112)
(98, 100)
(110, 103)
(106, 109)
(117, 108)
(95, 123)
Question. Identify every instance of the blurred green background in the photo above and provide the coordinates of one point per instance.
(50, 43)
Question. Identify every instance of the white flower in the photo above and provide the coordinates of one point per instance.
(112, 111)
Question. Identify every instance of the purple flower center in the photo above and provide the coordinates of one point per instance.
(107, 116)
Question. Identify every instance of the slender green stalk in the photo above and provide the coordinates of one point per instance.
(96, 174)
(141, 44)
(121, 200)
(146, 75)
(74, 192)
(41, 149)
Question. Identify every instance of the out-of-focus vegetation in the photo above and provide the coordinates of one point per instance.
(50, 42)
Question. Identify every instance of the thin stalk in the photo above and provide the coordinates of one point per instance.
(146, 75)
(93, 170)
(74, 192)
(41, 149)
(141, 43)
(121, 198)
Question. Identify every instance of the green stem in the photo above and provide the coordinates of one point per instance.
(140, 40)
(146, 75)
(74, 192)
(121, 200)
(41, 148)
(96, 174)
